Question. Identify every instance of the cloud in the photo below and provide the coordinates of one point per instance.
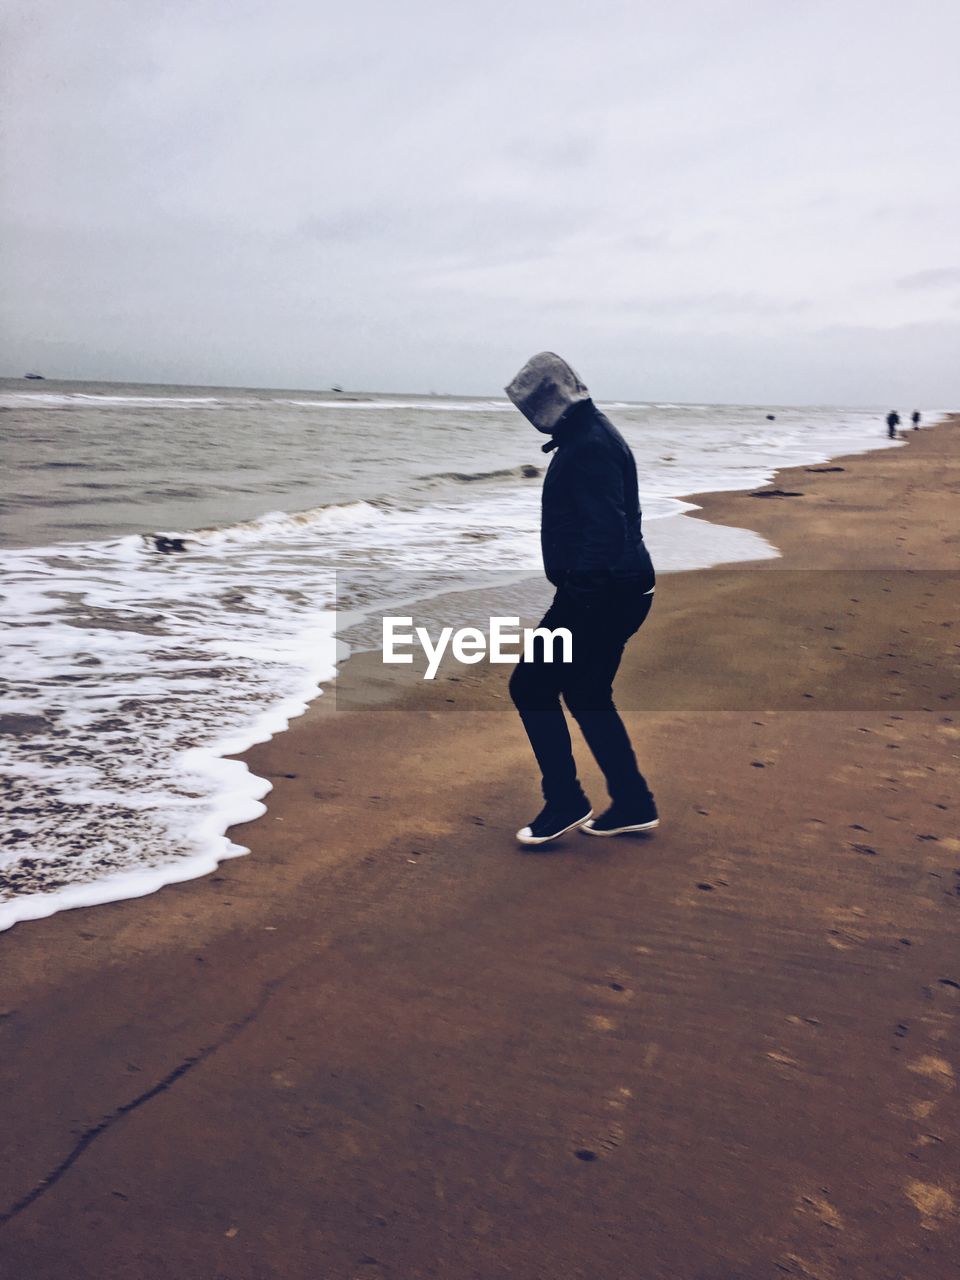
(932, 278)
(417, 196)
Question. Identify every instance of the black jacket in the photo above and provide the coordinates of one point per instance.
(591, 524)
(590, 529)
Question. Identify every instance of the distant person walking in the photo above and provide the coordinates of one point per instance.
(893, 421)
(915, 419)
(595, 557)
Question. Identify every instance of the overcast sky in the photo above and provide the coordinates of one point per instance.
(753, 201)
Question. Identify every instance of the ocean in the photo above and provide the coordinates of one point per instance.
(170, 562)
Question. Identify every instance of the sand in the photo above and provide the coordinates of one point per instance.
(390, 1044)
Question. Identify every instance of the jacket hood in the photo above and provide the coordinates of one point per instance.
(545, 390)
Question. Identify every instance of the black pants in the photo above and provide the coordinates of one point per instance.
(586, 685)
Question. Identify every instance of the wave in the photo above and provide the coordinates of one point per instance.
(21, 399)
(524, 472)
(148, 399)
(277, 525)
(131, 677)
(339, 517)
(65, 466)
(39, 399)
(440, 405)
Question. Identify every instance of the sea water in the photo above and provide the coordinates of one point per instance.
(170, 560)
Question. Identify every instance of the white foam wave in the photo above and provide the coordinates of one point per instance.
(285, 524)
(439, 405)
(21, 399)
(188, 400)
(137, 673)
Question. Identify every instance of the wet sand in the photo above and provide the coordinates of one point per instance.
(389, 1044)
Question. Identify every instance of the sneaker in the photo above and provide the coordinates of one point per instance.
(555, 820)
(621, 819)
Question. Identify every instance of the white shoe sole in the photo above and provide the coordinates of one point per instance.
(526, 836)
(591, 830)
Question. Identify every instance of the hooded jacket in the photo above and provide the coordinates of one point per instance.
(590, 528)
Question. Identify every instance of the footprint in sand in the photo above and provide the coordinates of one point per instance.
(933, 1067)
(797, 1020)
(919, 1109)
(816, 1225)
(612, 1139)
(782, 1059)
(821, 1209)
(610, 1134)
(616, 991)
(791, 1264)
(928, 1140)
(934, 1203)
(847, 928)
(867, 849)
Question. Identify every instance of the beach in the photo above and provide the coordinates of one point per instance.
(387, 1043)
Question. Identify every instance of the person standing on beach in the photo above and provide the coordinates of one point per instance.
(915, 419)
(595, 557)
(893, 421)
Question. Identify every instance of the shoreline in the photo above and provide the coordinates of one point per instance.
(244, 800)
(394, 1036)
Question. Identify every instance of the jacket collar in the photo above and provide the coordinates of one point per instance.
(570, 425)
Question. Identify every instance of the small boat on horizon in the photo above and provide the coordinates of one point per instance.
(35, 377)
